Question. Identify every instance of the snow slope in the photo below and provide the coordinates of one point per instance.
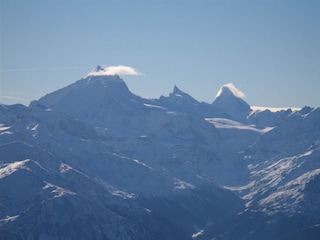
(95, 161)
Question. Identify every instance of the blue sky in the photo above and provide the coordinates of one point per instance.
(270, 50)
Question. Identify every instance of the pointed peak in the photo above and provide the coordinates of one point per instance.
(176, 89)
(230, 104)
(228, 90)
(98, 69)
(102, 75)
(178, 94)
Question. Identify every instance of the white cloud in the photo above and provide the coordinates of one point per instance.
(122, 70)
(14, 98)
(273, 109)
(114, 70)
(235, 91)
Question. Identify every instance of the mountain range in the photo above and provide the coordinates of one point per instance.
(95, 161)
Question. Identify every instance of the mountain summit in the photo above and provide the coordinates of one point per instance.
(230, 103)
(94, 98)
(228, 90)
(97, 71)
(182, 97)
(98, 68)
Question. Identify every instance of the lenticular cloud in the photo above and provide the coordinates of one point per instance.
(114, 70)
(121, 70)
(235, 91)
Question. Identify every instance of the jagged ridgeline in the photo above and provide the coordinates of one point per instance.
(95, 161)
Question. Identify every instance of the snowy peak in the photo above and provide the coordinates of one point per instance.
(178, 101)
(229, 102)
(97, 99)
(178, 93)
(86, 89)
(176, 90)
(229, 90)
(102, 76)
(97, 71)
(103, 79)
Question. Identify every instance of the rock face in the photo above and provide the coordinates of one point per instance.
(95, 161)
(231, 105)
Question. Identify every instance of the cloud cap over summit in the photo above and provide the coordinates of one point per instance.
(113, 70)
(230, 89)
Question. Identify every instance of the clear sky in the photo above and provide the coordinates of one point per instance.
(270, 50)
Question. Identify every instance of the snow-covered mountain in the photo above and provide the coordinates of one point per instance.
(95, 161)
(282, 192)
